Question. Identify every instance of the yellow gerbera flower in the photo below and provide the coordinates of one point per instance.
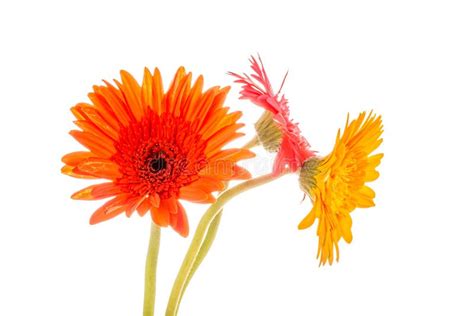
(337, 183)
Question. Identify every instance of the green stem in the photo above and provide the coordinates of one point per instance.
(252, 143)
(201, 240)
(206, 245)
(150, 270)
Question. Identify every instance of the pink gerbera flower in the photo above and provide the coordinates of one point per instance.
(293, 149)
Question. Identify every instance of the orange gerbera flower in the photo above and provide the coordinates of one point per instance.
(155, 147)
(336, 183)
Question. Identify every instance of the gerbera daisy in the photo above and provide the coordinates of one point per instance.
(155, 147)
(337, 183)
(275, 130)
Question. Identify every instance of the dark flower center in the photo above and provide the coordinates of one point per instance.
(157, 164)
(159, 154)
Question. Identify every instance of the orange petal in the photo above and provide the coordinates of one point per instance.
(154, 200)
(221, 169)
(216, 146)
(110, 97)
(97, 191)
(106, 189)
(76, 110)
(108, 127)
(173, 90)
(88, 126)
(101, 147)
(84, 194)
(147, 89)
(225, 170)
(103, 110)
(74, 158)
(100, 168)
(232, 154)
(158, 93)
(216, 101)
(207, 184)
(220, 97)
(69, 170)
(240, 173)
(143, 207)
(170, 205)
(179, 221)
(220, 137)
(160, 216)
(213, 122)
(133, 205)
(110, 209)
(205, 102)
(195, 195)
(131, 91)
(181, 94)
(189, 108)
(219, 120)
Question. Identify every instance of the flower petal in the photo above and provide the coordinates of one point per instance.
(144, 207)
(195, 195)
(160, 216)
(69, 171)
(100, 168)
(179, 221)
(74, 158)
(97, 191)
(131, 91)
(100, 147)
(110, 209)
(154, 200)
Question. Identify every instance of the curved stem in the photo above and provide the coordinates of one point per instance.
(150, 270)
(207, 226)
(206, 245)
(252, 143)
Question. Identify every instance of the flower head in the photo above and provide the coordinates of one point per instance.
(337, 183)
(155, 147)
(276, 130)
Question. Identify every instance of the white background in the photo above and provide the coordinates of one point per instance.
(411, 61)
